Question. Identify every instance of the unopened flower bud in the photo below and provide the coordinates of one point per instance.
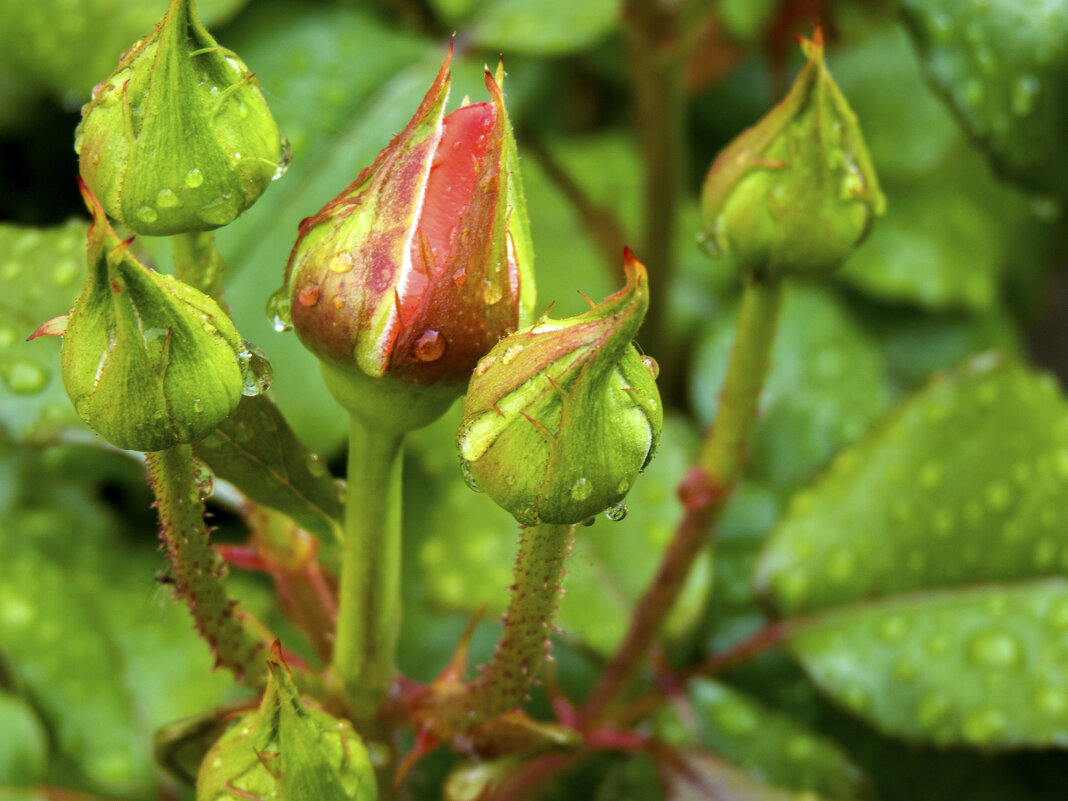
(796, 193)
(424, 262)
(561, 417)
(148, 362)
(287, 750)
(179, 138)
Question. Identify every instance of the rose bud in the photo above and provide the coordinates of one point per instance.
(561, 417)
(287, 750)
(179, 138)
(148, 362)
(796, 193)
(424, 262)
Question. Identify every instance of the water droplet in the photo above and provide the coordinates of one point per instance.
(1052, 700)
(219, 211)
(485, 363)
(316, 466)
(64, 273)
(284, 158)
(430, 346)
(1025, 91)
(998, 496)
(24, 377)
(256, 370)
(278, 309)
(341, 263)
(205, 479)
(308, 295)
(167, 199)
(194, 178)
(998, 649)
(492, 292)
(983, 725)
(651, 366)
(616, 512)
(892, 628)
(623, 486)
(469, 477)
(509, 480)
(147, 214)
(510, 353)
(589, 521)
(931, 708)
(581, 489)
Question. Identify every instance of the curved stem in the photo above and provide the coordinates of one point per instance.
(197, 262)
(239, 642)
(368, 616)
(706, 489)
(504, 682)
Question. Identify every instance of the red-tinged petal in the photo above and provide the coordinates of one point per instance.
(51, 328)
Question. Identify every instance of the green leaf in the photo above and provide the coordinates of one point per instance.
(826, 386)
(65, 48)
(768, 744)
(256, 451)
(40, 273)
(23, 743)
(982, 666)
(533, 27)
(1001, 68)
(694, 775)
(102, 656)
(963, 484)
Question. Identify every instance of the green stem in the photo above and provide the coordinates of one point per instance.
(706, 489)
(197, 262)
(660, 118)
(369, 595)
(505, 681)
(239, 642)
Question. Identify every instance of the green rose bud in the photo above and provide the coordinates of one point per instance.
(287, 751)
(148, 362)
(179, 138)
(796, 193)
(561, 417)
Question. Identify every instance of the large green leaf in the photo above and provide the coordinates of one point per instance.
(255, 450)
(1001, 66)
(66, 47)
(826, 385)
(769, 744)
(963, 484)
(41, 270)
(985, 666)
(695, 775)
(23, 743)
(535, 27)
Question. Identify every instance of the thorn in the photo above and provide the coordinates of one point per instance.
(587, 299)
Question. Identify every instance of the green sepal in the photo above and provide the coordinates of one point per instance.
(287, 750)
(179, 138)
(147, 361)
(796, 193)
(561, 417)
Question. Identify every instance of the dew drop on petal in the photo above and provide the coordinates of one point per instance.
(581, 489)
(308, 295)
(194, 178)
(341, 263)
(430, 346)
(278, 311)
(616, 512)
(469, 477)
(651, 366)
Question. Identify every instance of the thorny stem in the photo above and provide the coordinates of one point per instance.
(240, 643)
(656, 56)
(504, 682)
(369, 601)
(197, 262)
(706, 489)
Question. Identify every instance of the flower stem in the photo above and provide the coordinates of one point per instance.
(707, 487)
(368, 616)
(504, 682)
(239, 642)
(197, 262)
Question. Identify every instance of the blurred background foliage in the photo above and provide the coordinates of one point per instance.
(94, 654)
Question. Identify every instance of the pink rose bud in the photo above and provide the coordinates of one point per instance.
(421, 265)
